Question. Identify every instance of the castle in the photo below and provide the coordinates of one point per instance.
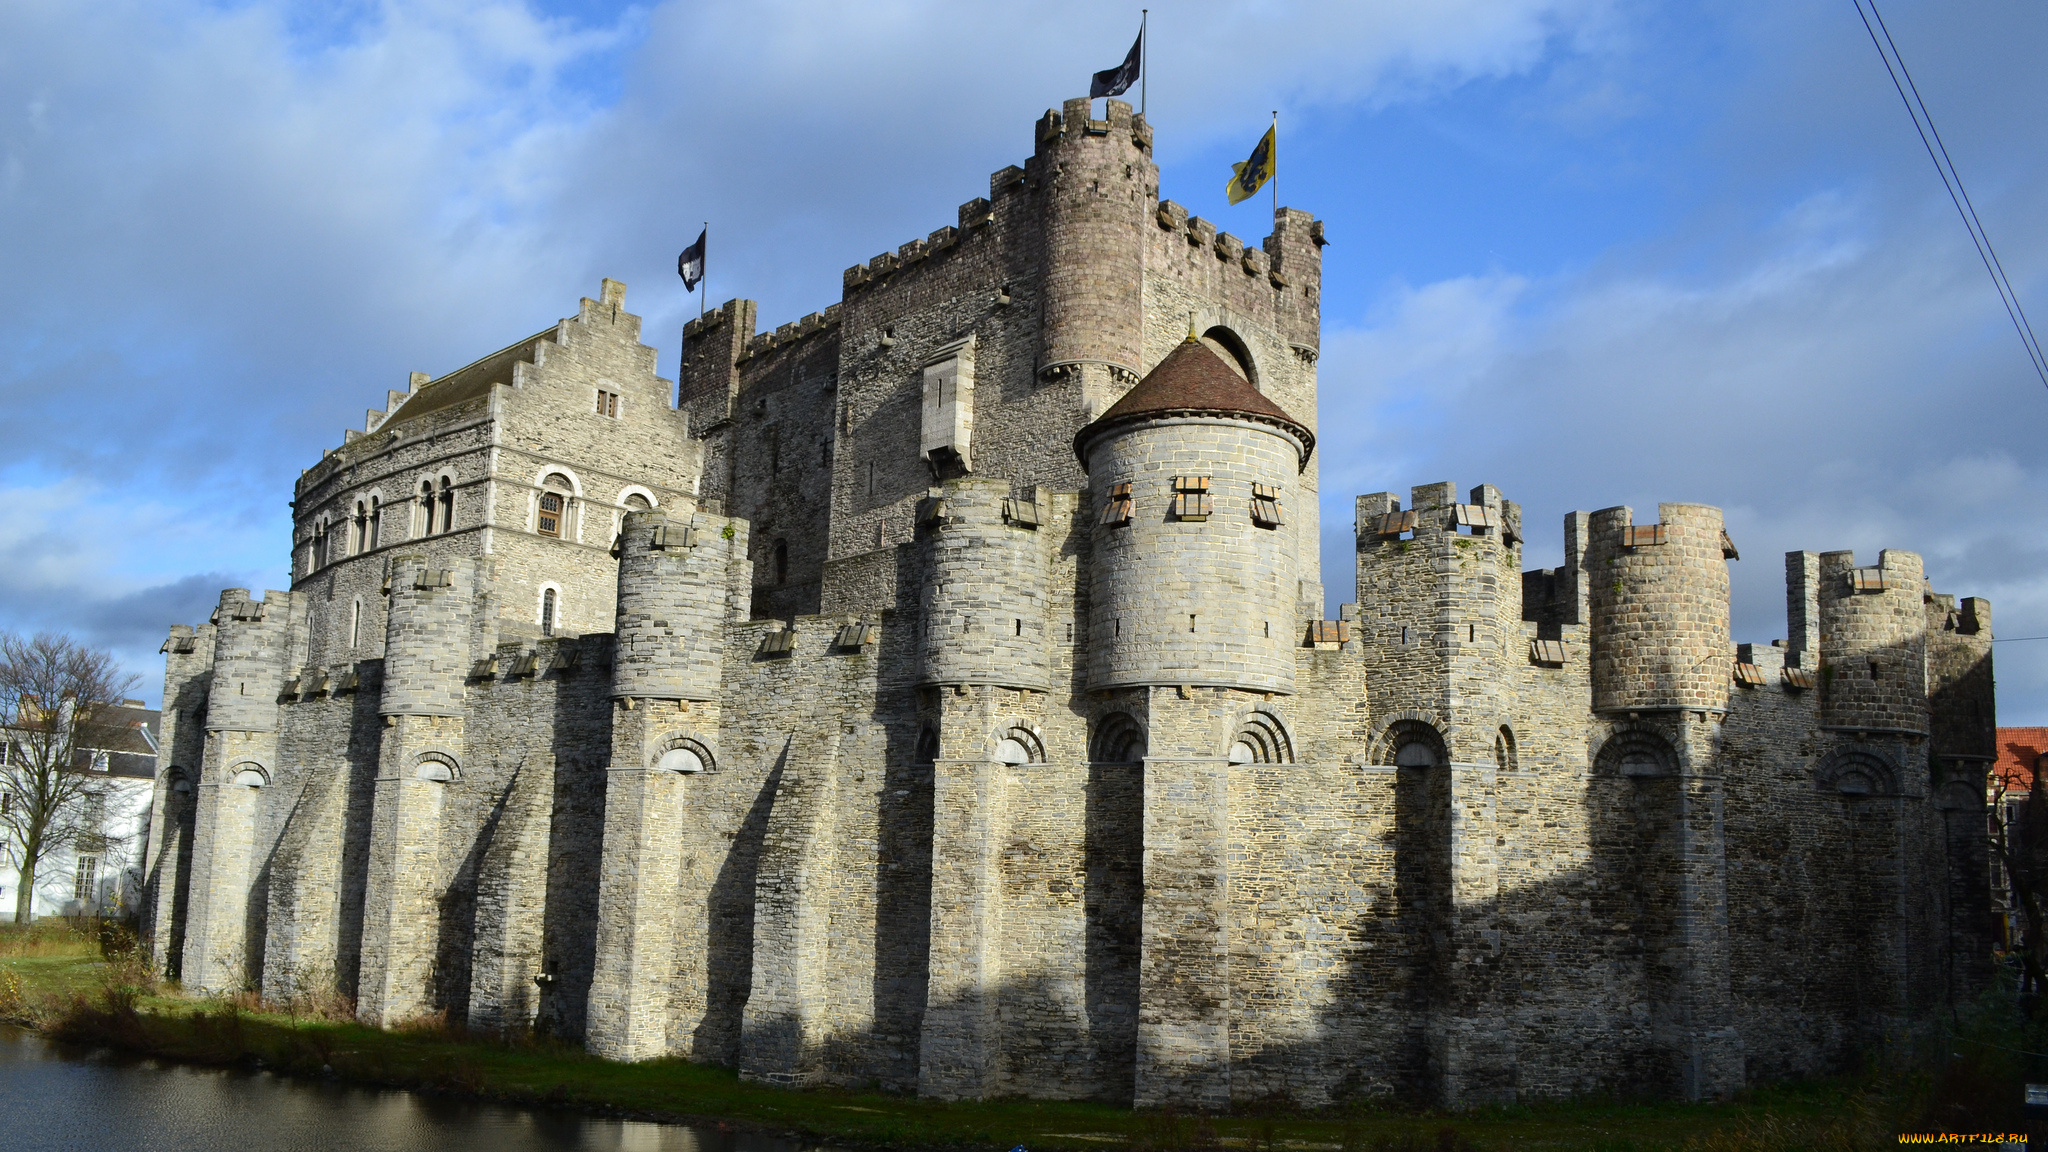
(936, 692)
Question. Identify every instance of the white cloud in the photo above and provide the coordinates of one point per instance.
(1829, 388)
(77, 557)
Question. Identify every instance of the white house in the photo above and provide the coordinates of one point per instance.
(99, 873)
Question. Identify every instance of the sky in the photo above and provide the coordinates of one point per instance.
(1593, 252)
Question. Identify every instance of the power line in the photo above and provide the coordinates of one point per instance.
(2016, 639)
(1952, 180)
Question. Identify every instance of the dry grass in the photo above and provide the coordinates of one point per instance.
(44, 938)
(88, 1001)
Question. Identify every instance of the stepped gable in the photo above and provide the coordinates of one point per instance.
(1193, 381)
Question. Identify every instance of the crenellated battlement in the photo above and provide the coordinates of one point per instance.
(1071, 123)
(788, 335)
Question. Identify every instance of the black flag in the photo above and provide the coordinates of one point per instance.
(1118, 80)
(690, 265)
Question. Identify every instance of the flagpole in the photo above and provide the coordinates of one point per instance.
(705, 285)
(1274, 160)
(1144, 58)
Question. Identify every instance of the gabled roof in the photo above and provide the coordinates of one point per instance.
(120, 737)
(1193, 381)
(2019, 749)
(468, 382)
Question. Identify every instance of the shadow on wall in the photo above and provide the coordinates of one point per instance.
(582, 728)
(1409, 986)
(729, 950)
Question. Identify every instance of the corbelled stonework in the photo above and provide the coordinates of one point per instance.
(886, 702)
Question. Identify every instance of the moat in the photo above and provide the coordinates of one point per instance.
(78, 1101)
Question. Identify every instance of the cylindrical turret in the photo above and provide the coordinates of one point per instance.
(1195, 576)
(672, 605)
(426, 653)
(1873, 642)
(1659, 610)
(985, 590)
(1098, 182)
(250, 647)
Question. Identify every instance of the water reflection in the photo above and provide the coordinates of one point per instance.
(84, 1103)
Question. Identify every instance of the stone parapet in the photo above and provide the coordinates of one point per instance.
(1873, 642)
(985, 598)
(427, 657)
(674, 577)
(1659, 610)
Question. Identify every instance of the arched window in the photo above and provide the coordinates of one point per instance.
(1504, 749)
(552, 516)
(447, 504)
(1230, 348)
(1119, 739)
(362, 536)
(1412, 743)
(1415, 754)
(547, 612)
(683, 760)
(436, 768)
(782, 561)
(1856, 773)
(423, 511)
(355, 626)
(1261, 739)
(1019, 746)
(681, 754)
(318, 555)
(376, 520)
(1635, 753)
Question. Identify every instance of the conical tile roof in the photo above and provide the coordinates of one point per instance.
(1193, 381)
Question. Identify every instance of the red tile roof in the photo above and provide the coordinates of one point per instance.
(2019, 750)
(1194, 381)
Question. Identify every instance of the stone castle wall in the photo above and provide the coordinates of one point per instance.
(837, 768)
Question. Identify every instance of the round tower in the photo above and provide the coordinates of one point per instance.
(426, 653)
(1873, 643)
(672, 606)
(1195, 574)
(985, 588)
(1098, 182)
(250, 647)
(1659, 610)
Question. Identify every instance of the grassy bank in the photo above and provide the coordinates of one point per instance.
(56, 980)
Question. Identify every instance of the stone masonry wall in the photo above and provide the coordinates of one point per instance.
(984, 620)
(1873, 645)
(1660, 611)
(1181, 601)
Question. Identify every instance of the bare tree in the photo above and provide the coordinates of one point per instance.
(52, 694)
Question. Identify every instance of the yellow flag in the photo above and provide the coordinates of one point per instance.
(1250, 176)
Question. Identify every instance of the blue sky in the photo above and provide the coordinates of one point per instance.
(1591, 251)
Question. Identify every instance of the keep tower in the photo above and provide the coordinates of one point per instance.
(1099, 184)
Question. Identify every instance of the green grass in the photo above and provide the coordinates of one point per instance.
(74, 996)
